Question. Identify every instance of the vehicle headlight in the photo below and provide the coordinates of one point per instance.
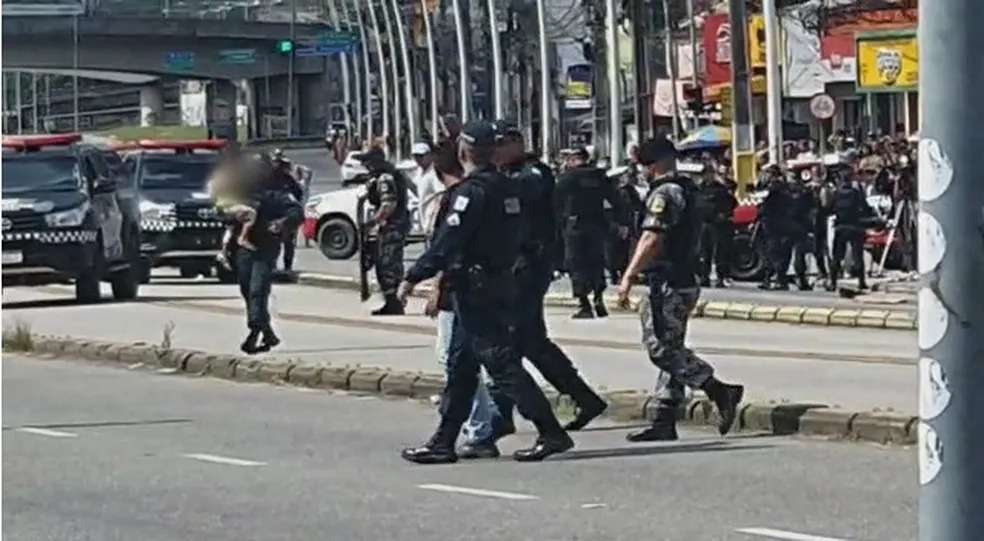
(150, 210)
(68, 218)
(311, 207)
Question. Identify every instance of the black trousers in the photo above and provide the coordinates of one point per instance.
(585, 258)
(820, 245)
(717, 247)
(786, 247)
(255, 275)
(533, 281)
(486, 328)
(845, 237)
(389, 259)
(290, 246)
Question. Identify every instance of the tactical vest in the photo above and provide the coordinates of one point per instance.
(679, 260)
(499, 236)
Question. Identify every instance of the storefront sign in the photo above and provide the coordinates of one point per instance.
(717, 47)
(887, 62)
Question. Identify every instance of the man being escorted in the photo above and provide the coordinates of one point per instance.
(667, 257)
(387, 194)
(476, 246)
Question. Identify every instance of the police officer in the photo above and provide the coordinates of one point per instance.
(802, 217)
(477, 246)
(277, 212)
(667, 256)
(580, 206)
(851, 214)
(534, 272)
(387, 194)
(823, 187)
(283, 179)
(717, 195)
(624, 224)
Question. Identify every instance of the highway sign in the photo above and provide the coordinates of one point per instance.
(237, 56)
(179, 60)
(323, 49)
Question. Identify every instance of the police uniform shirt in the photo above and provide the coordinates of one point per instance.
(669, 213)
(665, 206)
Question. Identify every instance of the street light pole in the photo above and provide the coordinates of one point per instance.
(951, 255)
(397, 102)
(34, 101)
(75, 72)
(743, 150)
(496, 62)
(366, 71)
(356, 79)
(774, 89)
(545, 116)
(671, 66)
(290, 70)
(432, 65)
(383, 79)
(344, 60)
(614, 89)
(465, 81)
(407, 75)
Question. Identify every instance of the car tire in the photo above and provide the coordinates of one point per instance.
(337, 238)
(126, 283)
(87, 287)
(748, 260)
(145, 268)
(226, 276)
(189, 271)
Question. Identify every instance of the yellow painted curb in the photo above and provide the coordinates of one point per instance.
(791, 314)
(874, 319)
(846, 317)
(739, 310)
(900, 320)
(716, 309)
(765, 313)
(817, 316)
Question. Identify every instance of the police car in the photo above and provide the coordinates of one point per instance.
(178, 220)
(330, 218)
(68, 215)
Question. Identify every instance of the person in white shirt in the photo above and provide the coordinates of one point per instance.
(427, 182)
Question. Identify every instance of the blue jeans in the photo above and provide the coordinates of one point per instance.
(450, 344)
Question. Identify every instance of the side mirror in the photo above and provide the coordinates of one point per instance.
(103, 185)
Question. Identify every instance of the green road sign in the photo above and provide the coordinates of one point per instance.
(284, 46)
(179, 60)
(237, 56)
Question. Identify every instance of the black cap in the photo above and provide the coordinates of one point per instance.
(371, 156)
(507, 129)
(656, 150)
(479, 133)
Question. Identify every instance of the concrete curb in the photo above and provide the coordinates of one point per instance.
(626, 405)
(830, 316)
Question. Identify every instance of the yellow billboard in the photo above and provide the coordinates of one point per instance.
(887, 61)
(756, 41)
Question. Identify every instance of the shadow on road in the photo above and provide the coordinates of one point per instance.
(100, 424)
(712, 446)
(357, 348)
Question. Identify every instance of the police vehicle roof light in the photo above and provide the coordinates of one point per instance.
(34, 142)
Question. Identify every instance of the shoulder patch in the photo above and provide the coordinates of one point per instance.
(536, 171)
(512, 205)
(657, 204)
(453, 219)
(460, 203)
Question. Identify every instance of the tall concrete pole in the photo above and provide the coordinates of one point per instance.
(356, 79)
(397, 101)
(366, 71)
(344, 60)
(951, 256)
(432, 65)
(34, 102)
(75, 73)
(407, 74)
(383, 79)
(694, 77)
(545, 110)
(496, 63)
(18, 104)
(743, 145)
(463, 70)
(773, 95)
(614, 89)
(671, 66)
(290, 69)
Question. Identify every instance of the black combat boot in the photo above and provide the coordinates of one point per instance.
(587, 411)
(438, 450)
(585, 311)
(270, 341)
(803, 284)
(726, 397)
(662, 429)
(544, 447)
(249, 346)
(392, 307)
(599, 305)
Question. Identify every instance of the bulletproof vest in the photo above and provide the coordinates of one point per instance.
(847, 206)
(375, 197)
(714, 201)
(585, 199)
(801, 206)
(497, 241)
(679, 262)
(539, 227)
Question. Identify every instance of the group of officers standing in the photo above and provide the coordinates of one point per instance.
(494, 252)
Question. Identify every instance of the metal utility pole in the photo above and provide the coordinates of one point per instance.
(545, 116)
(367, 73)
(614, 89)
(344, 60)
(356, 79)
(290, 70)
(496, 62)
(773, 96)
(643, 99)
(694, 78)
(75, 73)
(951, 256)
(34, 102)
(407, 74)
(432, 68)
(671, 67)
(464, 80)
(17, 102)
(397, 102)
(743, 146)
(383, 79)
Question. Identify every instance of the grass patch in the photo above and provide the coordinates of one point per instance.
(20, 338)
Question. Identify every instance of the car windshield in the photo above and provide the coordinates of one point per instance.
(175, 174)
(50, 173)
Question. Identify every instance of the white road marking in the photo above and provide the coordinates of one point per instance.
(46, 432)
(479, 492)
(167, 370)
(223, 460)
(789, 536)
(593, 506)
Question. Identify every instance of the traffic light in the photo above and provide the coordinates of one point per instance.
(285, 46)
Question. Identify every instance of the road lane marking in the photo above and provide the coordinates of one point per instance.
(479, 492)
(788, 536)
(46, 432)
(223, 459)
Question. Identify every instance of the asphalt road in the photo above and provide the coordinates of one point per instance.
(105, 453)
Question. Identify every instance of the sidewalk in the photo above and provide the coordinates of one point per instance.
(859, 369)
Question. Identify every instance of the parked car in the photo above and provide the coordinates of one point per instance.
(352, 169)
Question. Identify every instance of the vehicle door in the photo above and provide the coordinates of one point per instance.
(103, 192)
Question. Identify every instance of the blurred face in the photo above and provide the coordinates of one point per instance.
(510, 151)
(424, 160)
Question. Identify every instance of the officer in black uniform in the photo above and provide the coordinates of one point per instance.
(284, 180)
(580, 206)
(852, 214)
(477, 246)
(387, 194)
(775, 216)
(667, 257)
(623, 226)
(534, 272)
(718, 201)
(801, 220)
(823, 187)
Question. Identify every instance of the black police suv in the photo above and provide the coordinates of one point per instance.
(178, 220)
(67, 216)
